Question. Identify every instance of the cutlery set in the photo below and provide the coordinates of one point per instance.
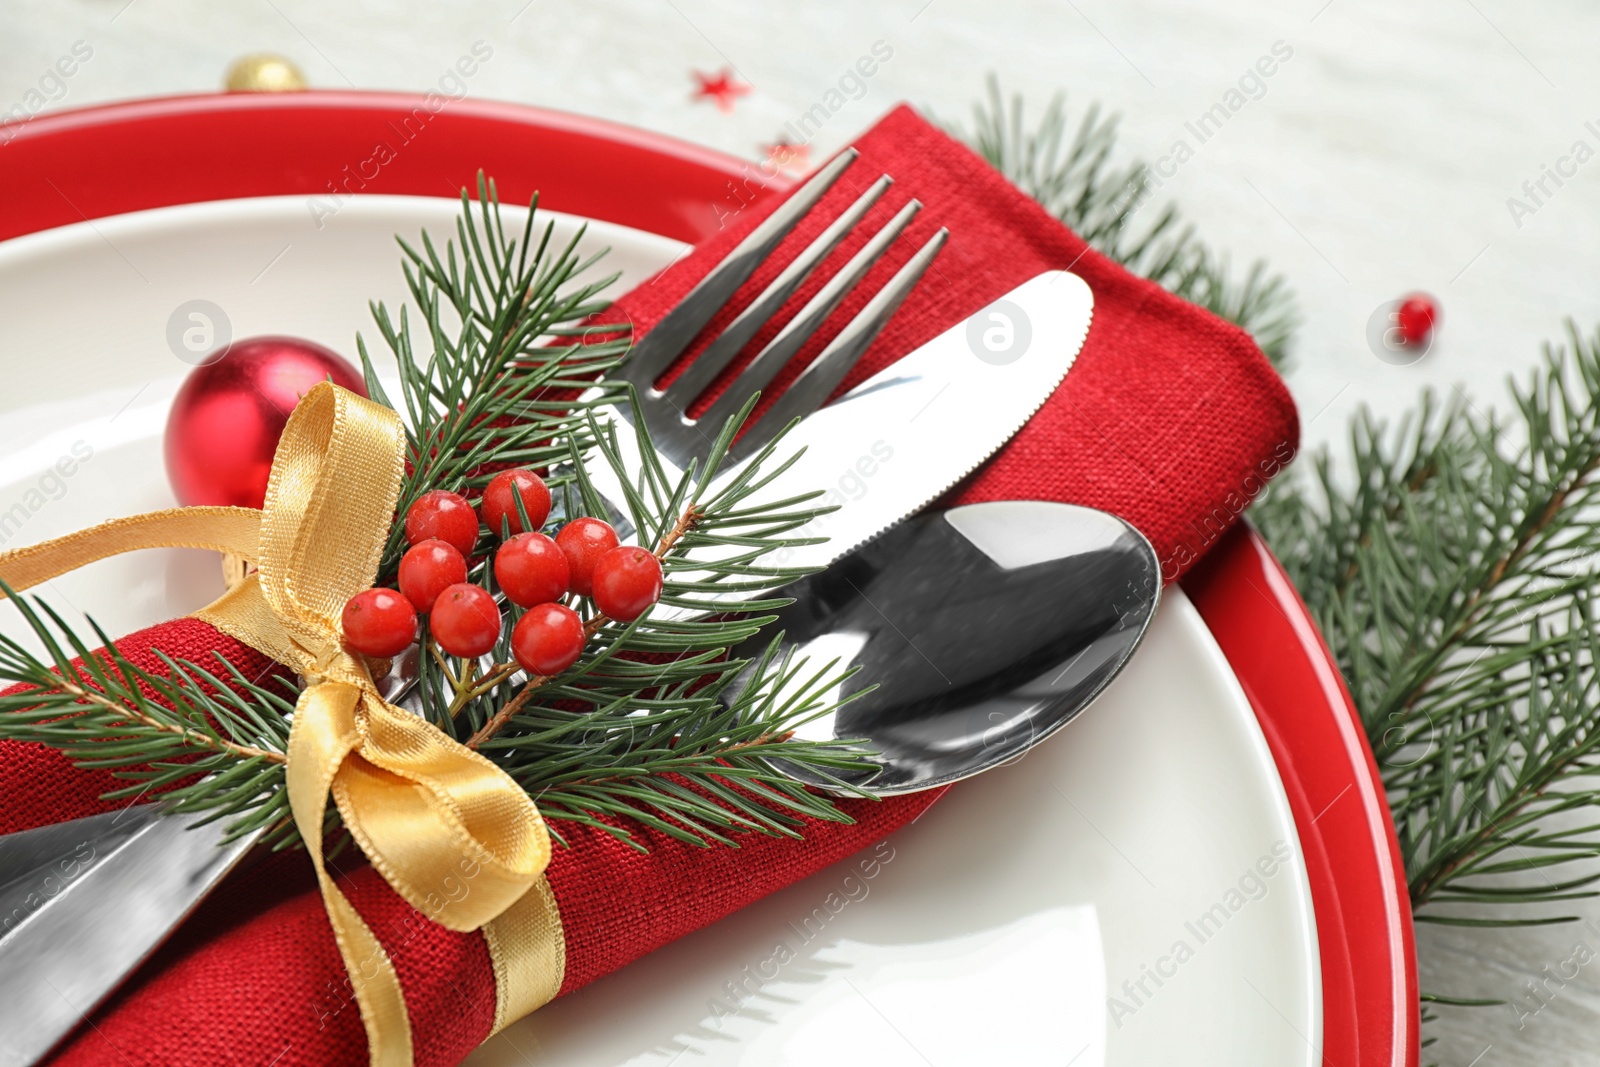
(984, 628)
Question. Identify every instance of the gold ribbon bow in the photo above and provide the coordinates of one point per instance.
(452, 833)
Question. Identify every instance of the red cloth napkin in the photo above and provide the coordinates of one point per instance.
(1171, 418)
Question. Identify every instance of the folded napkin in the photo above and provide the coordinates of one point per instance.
(1171, 418)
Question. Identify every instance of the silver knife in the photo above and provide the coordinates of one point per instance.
(84, 903)
(882, 452)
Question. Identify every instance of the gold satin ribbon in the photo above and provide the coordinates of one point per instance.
(451, 832)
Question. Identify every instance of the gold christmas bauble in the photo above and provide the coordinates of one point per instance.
(263, 72)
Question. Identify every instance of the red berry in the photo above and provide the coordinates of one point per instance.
(466, 620)
(1416, 318)
(627, 581)
(583, 542)
(547, 639)
(531, 570)
(429, 568)
(444, 515)
(500, 503)
(379, 622)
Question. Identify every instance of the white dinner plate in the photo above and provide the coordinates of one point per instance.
(1131, 893)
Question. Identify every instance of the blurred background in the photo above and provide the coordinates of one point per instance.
(1443, 146)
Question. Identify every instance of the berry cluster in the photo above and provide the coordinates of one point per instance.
(538, 573)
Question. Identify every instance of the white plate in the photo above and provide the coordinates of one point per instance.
(1100, 902)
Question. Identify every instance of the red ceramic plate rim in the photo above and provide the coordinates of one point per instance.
(1358, 884)
(180, 150)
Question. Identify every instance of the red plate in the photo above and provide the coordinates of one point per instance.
(191, 149)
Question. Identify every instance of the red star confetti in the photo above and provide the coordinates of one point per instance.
(781, 155)
(721, 88)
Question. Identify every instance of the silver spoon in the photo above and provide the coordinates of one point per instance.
(986, 629)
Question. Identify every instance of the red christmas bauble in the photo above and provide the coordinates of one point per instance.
(227, 418)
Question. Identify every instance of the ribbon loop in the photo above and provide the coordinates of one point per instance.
(330, 498)
(482, 848)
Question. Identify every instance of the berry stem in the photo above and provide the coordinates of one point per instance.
(685, 523)
(444, 665)
(463, 686)
(497, 674)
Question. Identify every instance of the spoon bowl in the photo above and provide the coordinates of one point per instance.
(984, 628)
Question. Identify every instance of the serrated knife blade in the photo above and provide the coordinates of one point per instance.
(904, 437)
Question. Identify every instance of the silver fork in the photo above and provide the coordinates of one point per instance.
(86, 901)
(682, 439)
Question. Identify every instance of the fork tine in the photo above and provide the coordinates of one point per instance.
(806, 322)
(818, 381)
(656, 350)
(711, 362)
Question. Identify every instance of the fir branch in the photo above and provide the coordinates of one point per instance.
(694, 766)
(490, 396)
(200, 742)
(1075, 178)
(1450, 566)
(493, 392)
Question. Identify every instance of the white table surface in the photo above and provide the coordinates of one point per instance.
(1379, 160)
